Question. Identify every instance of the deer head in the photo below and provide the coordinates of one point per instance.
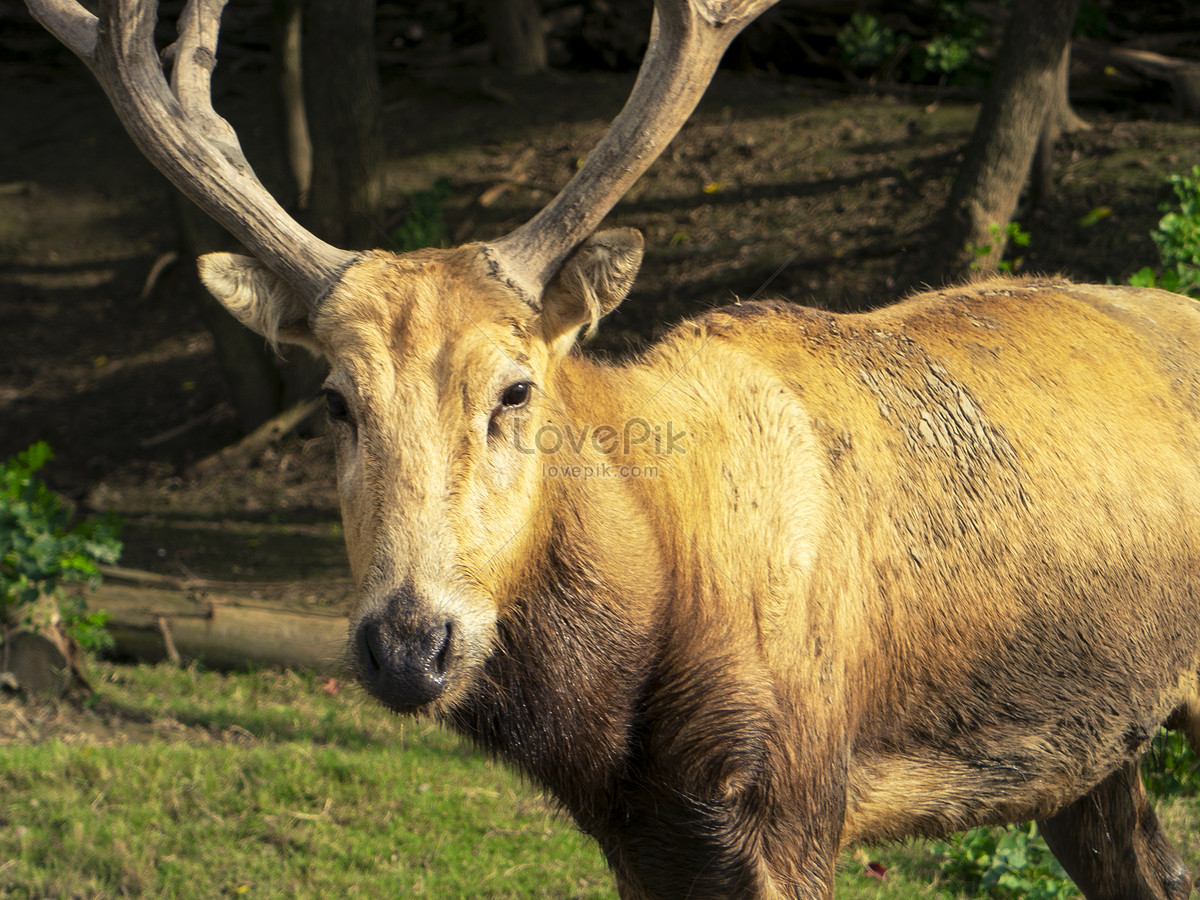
(439, 358)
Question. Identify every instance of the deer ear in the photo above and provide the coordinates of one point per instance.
(591, 283)
(257, 297)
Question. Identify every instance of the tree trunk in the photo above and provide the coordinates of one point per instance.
(515, 31)
(341, 85)
(38, 656)
(287, 20)
(1060, 119)
(33, 663)
(261, 381)
(997, 160)
(255, 385)
(344, 109)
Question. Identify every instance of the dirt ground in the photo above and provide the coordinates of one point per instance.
(788, 187)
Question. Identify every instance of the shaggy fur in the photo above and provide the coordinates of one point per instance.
(860, 576)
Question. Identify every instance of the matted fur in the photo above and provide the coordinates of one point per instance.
(898, 573)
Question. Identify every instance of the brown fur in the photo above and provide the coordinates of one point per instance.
(900, 573)
(790, 581)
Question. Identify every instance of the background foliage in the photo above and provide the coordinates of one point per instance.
(42, 550)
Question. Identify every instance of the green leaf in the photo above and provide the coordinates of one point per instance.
(1095, 215)
(40, 548)
(36, 456)
(1143, 277)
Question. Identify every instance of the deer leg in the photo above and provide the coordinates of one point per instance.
(1110, 843)
(689, 868)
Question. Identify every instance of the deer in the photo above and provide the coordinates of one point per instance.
(787, 582)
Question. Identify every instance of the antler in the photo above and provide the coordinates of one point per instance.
(687, 40)
(179, 132)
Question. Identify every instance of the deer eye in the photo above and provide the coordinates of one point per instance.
(516, 395)
(336, 405)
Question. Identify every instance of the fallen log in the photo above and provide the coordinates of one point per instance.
(152, 619)
(1183, 75)
(244, 451)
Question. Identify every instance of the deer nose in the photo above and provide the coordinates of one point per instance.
(404, 668)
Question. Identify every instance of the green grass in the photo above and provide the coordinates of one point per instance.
(192, 784)
(286, 821)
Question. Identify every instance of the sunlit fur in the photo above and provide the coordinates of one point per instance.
(903, 573)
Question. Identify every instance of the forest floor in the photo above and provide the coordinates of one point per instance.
(788, 187)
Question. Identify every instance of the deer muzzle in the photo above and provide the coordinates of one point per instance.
(404, 660)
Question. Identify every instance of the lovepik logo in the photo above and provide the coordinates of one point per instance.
(607, 440)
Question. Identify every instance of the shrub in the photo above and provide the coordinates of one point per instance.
(425, 224)
(1006, 863)
(1011, 236)
(947, 45)
(1178, 240)
(41, 550)
(1170, 769)
(865, 43)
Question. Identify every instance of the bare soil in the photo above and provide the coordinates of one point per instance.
(784, 186)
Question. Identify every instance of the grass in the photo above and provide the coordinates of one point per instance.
(193, 784)
(291, 821)
(189, 783)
